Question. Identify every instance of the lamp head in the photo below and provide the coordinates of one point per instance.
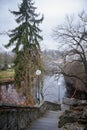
(38, 72)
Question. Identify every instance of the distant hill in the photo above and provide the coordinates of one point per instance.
(54, 54)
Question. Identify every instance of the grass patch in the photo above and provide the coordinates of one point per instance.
(6, 74)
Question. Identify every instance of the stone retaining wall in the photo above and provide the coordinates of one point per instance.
(19, 118)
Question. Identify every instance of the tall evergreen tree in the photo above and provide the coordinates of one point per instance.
(25, 40)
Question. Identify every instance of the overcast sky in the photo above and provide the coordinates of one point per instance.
(54, 13)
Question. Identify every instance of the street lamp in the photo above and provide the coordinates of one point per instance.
(59, 92)
(38, 73)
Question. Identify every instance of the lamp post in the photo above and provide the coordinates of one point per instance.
(59, 92)
(38, 73)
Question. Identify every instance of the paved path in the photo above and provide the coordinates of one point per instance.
(48, 122)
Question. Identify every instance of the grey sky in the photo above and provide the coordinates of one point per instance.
(54, 12)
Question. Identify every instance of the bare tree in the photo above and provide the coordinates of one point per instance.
(72, 36)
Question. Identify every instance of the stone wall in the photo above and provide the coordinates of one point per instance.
(76, 117)
(19, 118)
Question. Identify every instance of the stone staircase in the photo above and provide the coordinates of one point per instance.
(49, 121)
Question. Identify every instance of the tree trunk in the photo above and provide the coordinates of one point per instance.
(29, 98)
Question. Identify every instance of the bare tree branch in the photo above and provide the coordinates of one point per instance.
(73, 36)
